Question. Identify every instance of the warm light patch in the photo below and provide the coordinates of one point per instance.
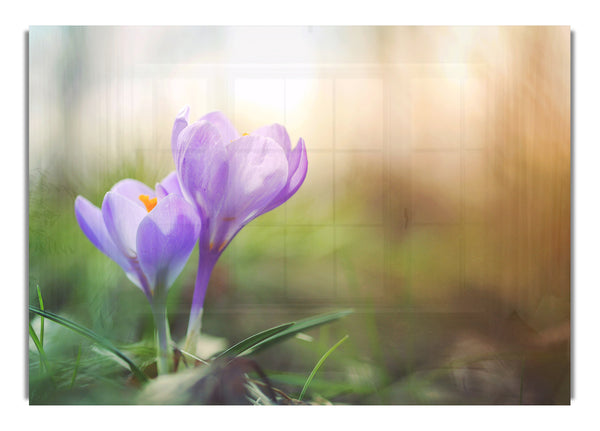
(149, 203)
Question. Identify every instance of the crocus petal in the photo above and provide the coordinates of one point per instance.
(132, 189)
(165, 239)
(181, 122)
(169, 185)
(203, 168)
(258, 170)
(161, 192)
(222, 124)
(298, 166)
(278, 133)
(298, 163)
(122, 217)
(134, 277)
(91, 222)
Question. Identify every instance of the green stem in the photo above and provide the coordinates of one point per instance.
(159, 310)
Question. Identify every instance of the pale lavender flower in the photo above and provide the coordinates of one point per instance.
(231, 179)
(149, 234)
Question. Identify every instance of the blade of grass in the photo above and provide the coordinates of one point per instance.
(325, 388)
(300, 326)
(40, 348)
(76, 367)
(244, 345)
(41, 301)
(321, 361)
(194, 357)
(101, 341)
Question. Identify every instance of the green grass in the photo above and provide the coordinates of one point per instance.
(101, 341)
(316, 368)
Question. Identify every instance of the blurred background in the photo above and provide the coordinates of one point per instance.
(436, 205)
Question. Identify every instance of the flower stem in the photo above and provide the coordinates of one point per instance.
(159, 310)
(206, 264)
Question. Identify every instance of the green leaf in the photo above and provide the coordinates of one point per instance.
(279, 333)
(300, 326)
(244, 345)
(321, 361)
(103, 342)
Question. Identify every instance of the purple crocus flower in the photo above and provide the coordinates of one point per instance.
(149, 234)
(231, 179)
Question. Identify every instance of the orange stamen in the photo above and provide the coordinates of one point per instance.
(149, 203)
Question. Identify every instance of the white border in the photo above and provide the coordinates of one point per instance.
(316, 12)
